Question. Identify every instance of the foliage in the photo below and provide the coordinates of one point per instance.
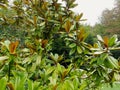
(110, 19)
(33, 66)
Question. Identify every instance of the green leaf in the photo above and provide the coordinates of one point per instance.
(6, 43)
(33, 67)
(2, 58)
(49, 70)
(53, 78)
(20, 78)
(101, 59)
(36, 85)
(83, 85)
(30, 85)
(72, 51)
(79, 50)
(72, 45)
(117, 76)
(59, 68)
(38, 60)
(113, 62)
(68, 85)
(56, 57)
(112, 40)
(100, 38)
(76, 83)
(3, 82)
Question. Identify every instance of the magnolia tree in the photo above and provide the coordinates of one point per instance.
(27, 61)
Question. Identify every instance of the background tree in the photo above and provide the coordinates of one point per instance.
(110, 19)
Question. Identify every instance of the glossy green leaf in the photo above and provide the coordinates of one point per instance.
(79, 50)
(101, 59)
(30, 85)
(112, 40)
(76, 83)
(72, 45)
(72, 51)
(113, 62)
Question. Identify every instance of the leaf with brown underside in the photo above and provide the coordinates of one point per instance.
(44, 43)
(13, 46)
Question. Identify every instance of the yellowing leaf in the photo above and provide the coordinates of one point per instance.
(44, 6)
(78, 17)
(81, 34)
(26, 1)
(67, 26)
(11, 86)
(95, 45)
(106, 40)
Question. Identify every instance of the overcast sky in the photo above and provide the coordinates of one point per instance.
(92, 9)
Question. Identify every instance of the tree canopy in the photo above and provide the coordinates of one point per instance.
(28, 57)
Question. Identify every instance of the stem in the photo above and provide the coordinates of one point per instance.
(9, 72)
(9, 67)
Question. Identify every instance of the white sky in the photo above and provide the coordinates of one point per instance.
(92, 9)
